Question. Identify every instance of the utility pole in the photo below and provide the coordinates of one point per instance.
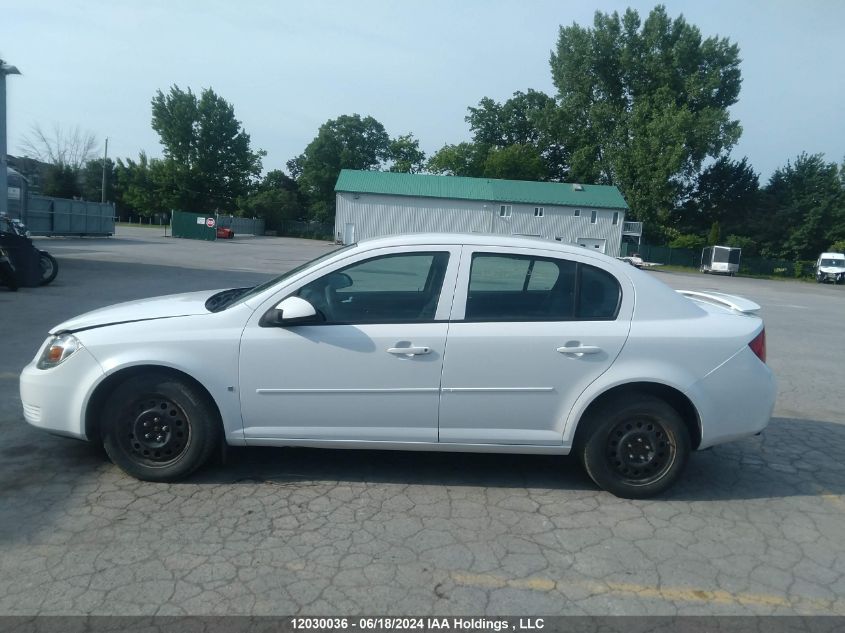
(5, 69)
(105, 161)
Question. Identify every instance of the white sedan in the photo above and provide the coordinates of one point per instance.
(423, 342)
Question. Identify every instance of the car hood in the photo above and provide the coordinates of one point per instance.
(832, 269)
(165, 307)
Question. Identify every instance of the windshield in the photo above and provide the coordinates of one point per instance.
(833, 262)
(243, 294)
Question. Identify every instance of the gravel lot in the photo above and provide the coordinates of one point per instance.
(755, 527)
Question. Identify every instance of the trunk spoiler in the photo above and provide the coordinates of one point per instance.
(738, 304)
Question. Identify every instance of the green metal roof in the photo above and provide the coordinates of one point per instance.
(487, 189)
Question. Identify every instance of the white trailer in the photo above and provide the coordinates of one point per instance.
(720, 259)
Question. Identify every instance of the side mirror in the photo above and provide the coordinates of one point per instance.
(291, 311)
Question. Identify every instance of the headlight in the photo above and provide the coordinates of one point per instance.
(58, 350)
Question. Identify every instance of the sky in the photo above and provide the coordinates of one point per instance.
(287, 67)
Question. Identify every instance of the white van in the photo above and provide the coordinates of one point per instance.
(830, 267)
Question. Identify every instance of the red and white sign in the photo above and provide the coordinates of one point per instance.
(210, 223)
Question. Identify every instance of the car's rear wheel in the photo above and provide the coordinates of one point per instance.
(156, 427)
(635, 447)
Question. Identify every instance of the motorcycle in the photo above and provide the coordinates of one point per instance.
(15, 237)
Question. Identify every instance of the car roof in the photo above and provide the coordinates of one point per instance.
(478, 239)
(833, 255)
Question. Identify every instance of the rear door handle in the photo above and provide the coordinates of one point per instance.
(579, 350)
(409, 351)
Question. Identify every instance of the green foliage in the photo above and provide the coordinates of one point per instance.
(804, 209)
(802, 269)
(463, 159)
(748, 245)
(726, 192)
(347, 142)
(275, 206)
(519, 121)
(406, 154)
(715, 233)
(138, 186)
(61, 181)
(643, 104)
(92, 180)
(688, 240)
(208, 163)
(276, 199)
(514, 162)
(515, 122)
(837, 247)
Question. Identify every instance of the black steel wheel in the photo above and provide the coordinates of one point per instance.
(49, 267)
(634, 447)
(158, 428)
(639, 450)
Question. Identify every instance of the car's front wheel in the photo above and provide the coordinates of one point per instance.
(634, 447)
(157, 427)
(49, 267)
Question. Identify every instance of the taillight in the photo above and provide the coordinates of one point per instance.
(758, 345)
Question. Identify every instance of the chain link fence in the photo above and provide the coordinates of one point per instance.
(309, 230)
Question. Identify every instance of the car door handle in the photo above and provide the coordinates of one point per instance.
(579, 350)
(409, 351)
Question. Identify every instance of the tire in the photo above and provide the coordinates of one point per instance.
(156, 427)
(646, 425)
(49, 267)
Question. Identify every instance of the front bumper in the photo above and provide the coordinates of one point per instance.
(735, 400)
(55, 399)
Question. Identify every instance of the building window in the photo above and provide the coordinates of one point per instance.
(592, 217)
(615, 218)
(577, 213)
(505, 211)
(538, 212)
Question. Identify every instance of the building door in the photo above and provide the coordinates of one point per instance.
(349, 233)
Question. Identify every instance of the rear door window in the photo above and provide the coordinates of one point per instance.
(505, 287)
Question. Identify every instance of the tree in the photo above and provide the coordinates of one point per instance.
(642, 104)
(463, 159)
(138, 186)
(347, 142)
(726, 192)
(515, 162)
(806, 208)
(92, 180)
(71, 147)
(406, 154)
(276, 199)
(516, 121)
(60, 181)
(208, 162)
(715, 233)
(521, 120)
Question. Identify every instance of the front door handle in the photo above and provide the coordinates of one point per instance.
(579, 350)
(409, 351)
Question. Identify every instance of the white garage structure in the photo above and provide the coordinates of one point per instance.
(375, 203)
